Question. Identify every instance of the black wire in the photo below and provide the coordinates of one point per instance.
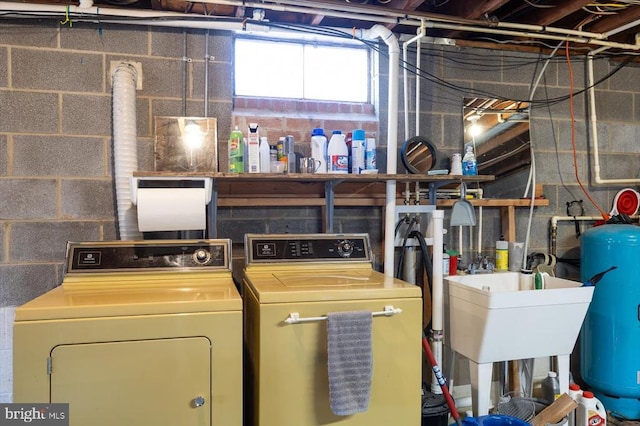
(404, 245)
(427, 264)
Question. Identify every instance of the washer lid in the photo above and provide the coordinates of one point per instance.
(311, 285)
(106, 299)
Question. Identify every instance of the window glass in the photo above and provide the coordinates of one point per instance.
(299, 70)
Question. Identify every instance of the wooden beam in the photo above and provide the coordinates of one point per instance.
(548, 16)
(612, 22)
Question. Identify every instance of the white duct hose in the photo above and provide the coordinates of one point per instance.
(125, 147)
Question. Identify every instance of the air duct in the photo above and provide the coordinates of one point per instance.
(125, 155)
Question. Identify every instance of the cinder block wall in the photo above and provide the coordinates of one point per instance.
(55, 141)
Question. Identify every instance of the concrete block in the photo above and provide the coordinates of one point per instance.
(29, 112)
(614, 106)
(87, 199)
(46, 241)
(58, 156)
(110, 38)
(623, 138)
(28, 199)
(4, 155)
(162, 76)
(109, 230)
(41, 33)
(4, 66)
(626, 79)
(220, 80)
(169, 43)
(87, 115)
(21, 283)
(57, 71)
(2, 233)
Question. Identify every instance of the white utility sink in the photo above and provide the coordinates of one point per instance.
(491, 320)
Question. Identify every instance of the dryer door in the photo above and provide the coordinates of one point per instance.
(146, 382)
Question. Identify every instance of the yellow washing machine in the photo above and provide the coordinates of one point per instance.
(291, 284)
(139, 333)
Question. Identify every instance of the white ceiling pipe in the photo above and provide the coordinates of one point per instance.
(435, 21)
(535, 35)
(96, 15)
(373, 13)
(392, 138)
(146, 17)
(621, 28)
(405, 57)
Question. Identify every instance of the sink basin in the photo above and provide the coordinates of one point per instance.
(491, 320)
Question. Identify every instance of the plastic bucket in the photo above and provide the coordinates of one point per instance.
(435, 411)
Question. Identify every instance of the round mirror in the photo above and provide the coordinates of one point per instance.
(418, 155)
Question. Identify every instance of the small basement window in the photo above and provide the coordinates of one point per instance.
(306, 70)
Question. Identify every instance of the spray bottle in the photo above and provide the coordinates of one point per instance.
(236, 151)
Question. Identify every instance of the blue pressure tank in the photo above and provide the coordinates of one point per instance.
(610, 337)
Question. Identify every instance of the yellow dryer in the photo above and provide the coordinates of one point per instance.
(291, 283)
(139, 333)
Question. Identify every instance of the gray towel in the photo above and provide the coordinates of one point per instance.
(350, 361)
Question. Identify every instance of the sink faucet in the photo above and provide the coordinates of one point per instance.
(481, 266)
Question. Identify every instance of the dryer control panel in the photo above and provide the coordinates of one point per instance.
(148, 255)
(294, 248)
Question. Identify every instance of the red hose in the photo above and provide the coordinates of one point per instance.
(441, 382)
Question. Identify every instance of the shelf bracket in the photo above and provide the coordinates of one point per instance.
(329, 196)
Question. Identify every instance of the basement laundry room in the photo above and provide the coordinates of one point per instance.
(349, 212)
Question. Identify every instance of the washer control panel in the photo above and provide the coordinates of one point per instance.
(293, 248)
(147, 255)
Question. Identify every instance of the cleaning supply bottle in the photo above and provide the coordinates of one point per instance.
(446, 262)
(370, 162)
(319, 149)
(236, 151)
(289, 146)
(590, 411)
(265, 155)
(469, 163)
(502, 255)
(253, 149)
(550, 387)
(576, 394)
(357, 152)
(338, 153)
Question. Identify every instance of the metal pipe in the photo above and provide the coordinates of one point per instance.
(185, 65)
(206, 74)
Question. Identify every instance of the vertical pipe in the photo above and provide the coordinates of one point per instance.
(392, 139)
(437, 294)
(185, 64)
(206, 74)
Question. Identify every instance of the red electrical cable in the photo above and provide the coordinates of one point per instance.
(604, 214)
(441, 382)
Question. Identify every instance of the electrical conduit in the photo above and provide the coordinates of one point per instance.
(125, 155)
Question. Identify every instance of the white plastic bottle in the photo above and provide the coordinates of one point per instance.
(338, 153)
(319, 149)
(265, 155)
(590, 411)
(576, 394)
(370, 162)
(469, 163)
(357, 152)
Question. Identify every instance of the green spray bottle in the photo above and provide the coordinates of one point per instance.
(236, 151)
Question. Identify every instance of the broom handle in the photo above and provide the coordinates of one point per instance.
(441, 382)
